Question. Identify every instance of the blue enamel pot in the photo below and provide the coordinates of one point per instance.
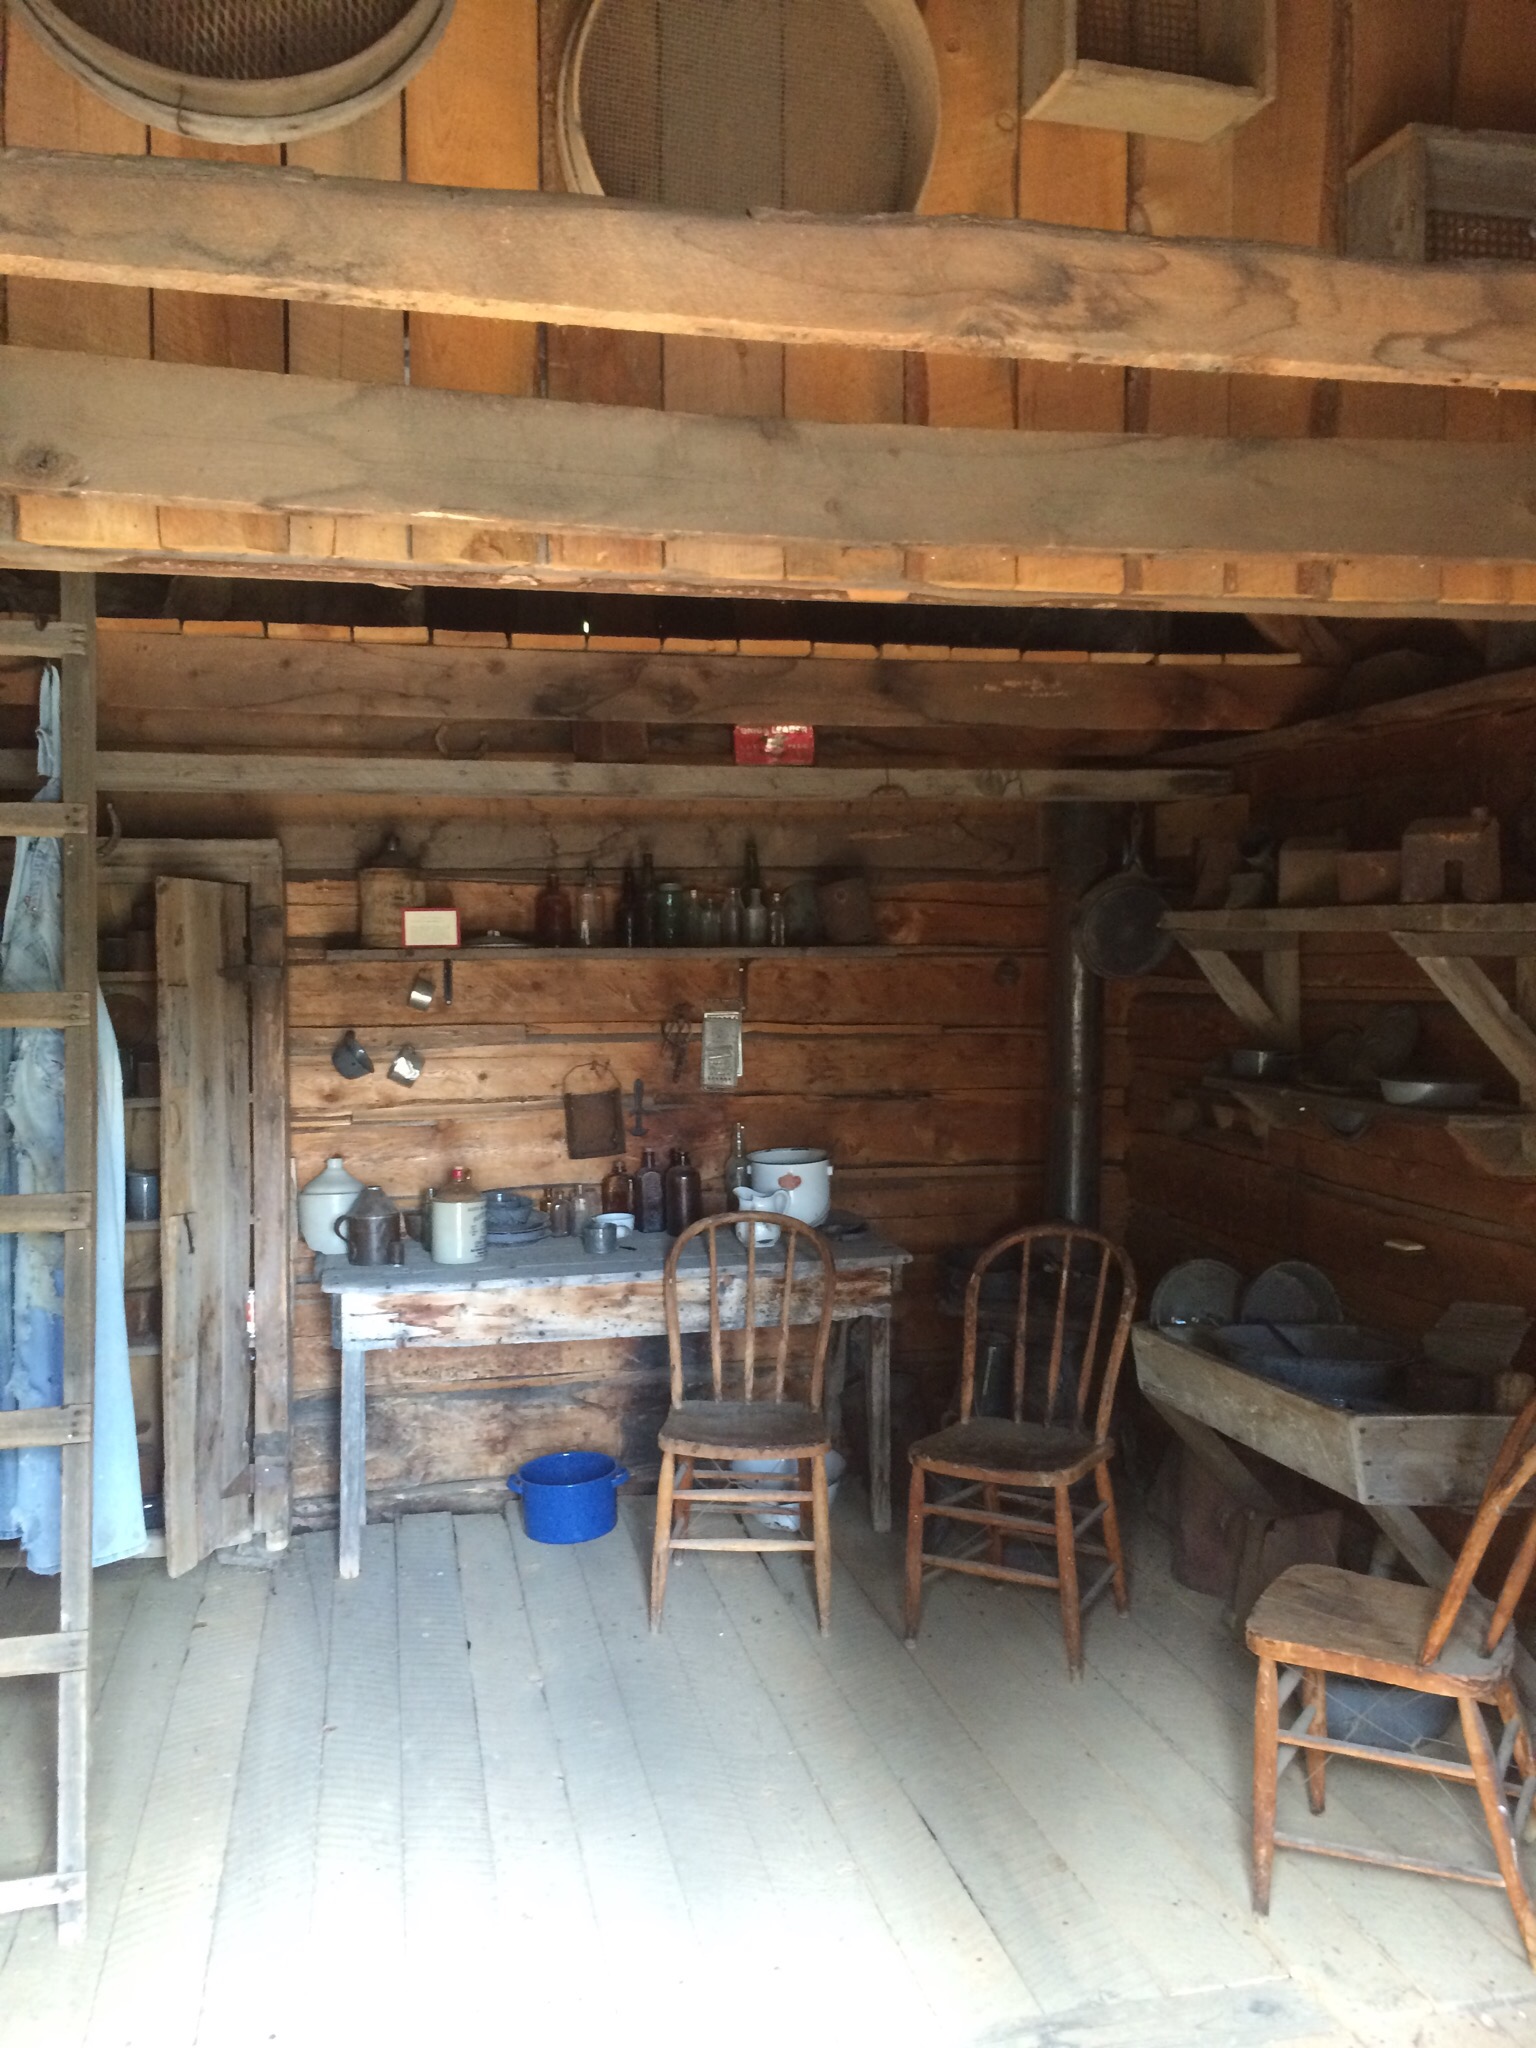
(569, 1496)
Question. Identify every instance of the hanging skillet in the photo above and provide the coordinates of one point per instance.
(1118, 927)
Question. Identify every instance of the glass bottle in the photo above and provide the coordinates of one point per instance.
(693, 912)
(552, 913)
(586, 1199)
(736, 1166)
(560, 1213)
(626, 926)
(682, 1195)
(730, 918)
(709, 919)
(646, 932)
(751, 872)
(669, 914)
(589, 910)
(650, 1205)
(754, 919)
(618, 1191)
(776, 923)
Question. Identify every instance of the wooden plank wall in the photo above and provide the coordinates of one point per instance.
(483, 111)
(1355, 1206)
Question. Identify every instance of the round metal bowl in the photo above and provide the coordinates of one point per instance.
(1432, 1094)
(1262, 1064)
(1338, 1362)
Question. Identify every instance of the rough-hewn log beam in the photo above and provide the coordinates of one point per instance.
(983, 287)
(168, 673)
(177, 434)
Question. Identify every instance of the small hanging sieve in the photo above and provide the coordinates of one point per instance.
(594, 1116)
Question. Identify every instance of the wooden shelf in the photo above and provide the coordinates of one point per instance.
(127, 977)
(1500, 1139)
(1495, 927)
(137, 1223)
(426, 954)
(141, 1102)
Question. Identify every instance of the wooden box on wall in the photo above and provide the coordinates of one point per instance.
(1189, 69)
(1445, 195)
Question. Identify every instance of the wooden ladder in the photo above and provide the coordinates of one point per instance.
(65, 1652)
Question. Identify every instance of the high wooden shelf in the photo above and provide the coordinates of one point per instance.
(1498, 1139)
(1446, 939)
(425, 955)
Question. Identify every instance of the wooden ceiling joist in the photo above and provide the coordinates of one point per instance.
(178, 434)
(983, 287)
(175, 672)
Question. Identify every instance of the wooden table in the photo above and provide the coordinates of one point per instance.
(554, 1292)
(1393, 1465)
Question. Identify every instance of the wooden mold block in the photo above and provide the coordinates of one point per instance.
(1452, 860)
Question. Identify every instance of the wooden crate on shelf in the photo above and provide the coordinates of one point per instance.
(1445, 195)
(1189, 69)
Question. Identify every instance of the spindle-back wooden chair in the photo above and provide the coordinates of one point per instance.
(1317, 1619)
(727, 1424)
(1063, 1395)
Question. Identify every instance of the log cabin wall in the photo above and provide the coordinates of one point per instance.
(1402, 1218)
(481, 112)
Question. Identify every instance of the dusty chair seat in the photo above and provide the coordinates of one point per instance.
(744, 1429)
(1076, 1296)
(1317, 1620)
(740, 1418)
(1030, 1453)
(1340, 1617)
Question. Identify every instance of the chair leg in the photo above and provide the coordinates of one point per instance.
(913, 1605)
(1510, 1709)
(807, 1507)
(822, 1535)
(1106, 1492)
(661, 1548)
(1497, 1816)
(680, 1496)
(1314, 1693)
(1266, 1757)
(1066, 1572)
(991, 1503)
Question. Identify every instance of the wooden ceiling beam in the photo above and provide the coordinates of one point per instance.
(980, 287)
(182, 434)
(168, 673)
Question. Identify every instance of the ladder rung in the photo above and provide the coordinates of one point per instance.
(43, 1656)
(44, 1212)
(30, 1429)
(42, 642)
(48, 1009)
(53, 1888)
(43, 821)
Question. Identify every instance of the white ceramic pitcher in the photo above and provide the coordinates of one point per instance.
(750, 1202)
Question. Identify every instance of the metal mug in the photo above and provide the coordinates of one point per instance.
(601, 1239)
(423, 991)
(143, 1196)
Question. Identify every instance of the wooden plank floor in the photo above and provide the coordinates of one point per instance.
(470, 1791)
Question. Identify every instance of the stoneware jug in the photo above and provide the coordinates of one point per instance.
(457, 1222)
(321, 1201)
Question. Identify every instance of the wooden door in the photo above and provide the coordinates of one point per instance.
(205, 1206)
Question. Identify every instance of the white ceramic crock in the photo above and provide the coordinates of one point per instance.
(321, 1201)
(804, 1173)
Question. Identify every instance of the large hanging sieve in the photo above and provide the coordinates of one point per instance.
(240, 70)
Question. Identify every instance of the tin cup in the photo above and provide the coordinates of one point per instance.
(599, 1238)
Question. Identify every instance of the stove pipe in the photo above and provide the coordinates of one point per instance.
(1077, 840)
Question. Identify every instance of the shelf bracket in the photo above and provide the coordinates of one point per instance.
(1272, 1016)
(1468, 990)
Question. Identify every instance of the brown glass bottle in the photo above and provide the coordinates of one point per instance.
(682, 1194)
(650, 1204)
(618, 1191)
(552, 913)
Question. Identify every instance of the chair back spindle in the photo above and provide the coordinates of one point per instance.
(1062, 1381)
(763, 1275)
(1512, 1471)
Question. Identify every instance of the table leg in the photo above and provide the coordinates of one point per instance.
(879, 1399)
(837, 1380)
(354, 1455)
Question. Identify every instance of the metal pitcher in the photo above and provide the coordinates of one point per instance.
(374, 1230)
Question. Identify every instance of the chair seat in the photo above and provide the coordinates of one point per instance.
(745, 1429)
(1030, 1453)
(1335, 1620)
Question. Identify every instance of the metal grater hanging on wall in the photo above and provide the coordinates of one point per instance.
(720, 1059)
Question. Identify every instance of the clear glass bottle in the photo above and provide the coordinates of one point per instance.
(560, 1213)
(776, 924)
(709, 919)
(552, 913)
(751, 872)
(650, 1205)
(754, 919)
(669, 914)
(589, 910)
(693, 917)
(586, 1202)
(736, 1165)
(731, 918)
